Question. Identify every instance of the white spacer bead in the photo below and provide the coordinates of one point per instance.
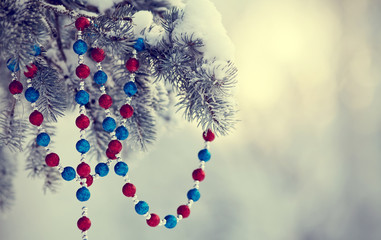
(196, 184)
(135, 199)
(80, 59)
(123, 122)
(179, 217)
(128, 100)
(163, 222)
(99, 66)
(127, 178)
(82, 133)
(147, 215)
(103, 89)
(190, 203)
(202, 165)
(82, 110)
(84, 211)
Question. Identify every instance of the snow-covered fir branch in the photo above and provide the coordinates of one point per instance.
(185, 62)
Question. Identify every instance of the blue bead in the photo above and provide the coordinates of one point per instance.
(68, 173)
(121, 133)
(139, 45)
(141, 208)
(130, 88)
(171, 221)
(80, 47)
(100, 77)
(102, 169)
(204, 155)
(83, 194)
(43, 139)
(31, 94)
(82, 146)
(36, 50)
(13, 65)
(121, 169)
(82, 97)
(194, 194)
(109, 124)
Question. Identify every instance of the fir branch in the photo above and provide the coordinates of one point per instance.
(7, 8)
(172, 66)
(58, 38)
(142, 124)
(207, 98)
(37, 167)
(156, 6)
(62, 8)
(13, 128)
(189, 45)
(52, 101)
(7, 172)
(112, 34)
(170, 19)
(23, 29)
(52, 180)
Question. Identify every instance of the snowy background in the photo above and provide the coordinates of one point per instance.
(303, 164)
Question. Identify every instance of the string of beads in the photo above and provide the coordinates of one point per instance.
(117, 134)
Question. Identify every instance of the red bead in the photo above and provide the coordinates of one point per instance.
(98, 54)
(36, 118)
(208, 135)
(110, 155)
(52, 160)
(15, 87)
(32, 70)
(132, 65)
(154, 220)
(82, 121)
(198, 174)
(105, 101)
(84, 223)
(129, 190)
(83, 170)
(184, 211)
(82, 71)
(89, 180)
(126, 111)
(114, 146)
(81, 23)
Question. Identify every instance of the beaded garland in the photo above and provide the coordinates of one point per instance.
(117, 133)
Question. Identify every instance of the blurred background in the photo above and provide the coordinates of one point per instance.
(304, 162)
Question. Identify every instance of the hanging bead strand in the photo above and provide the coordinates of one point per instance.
(82, 122)
(105, 101)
